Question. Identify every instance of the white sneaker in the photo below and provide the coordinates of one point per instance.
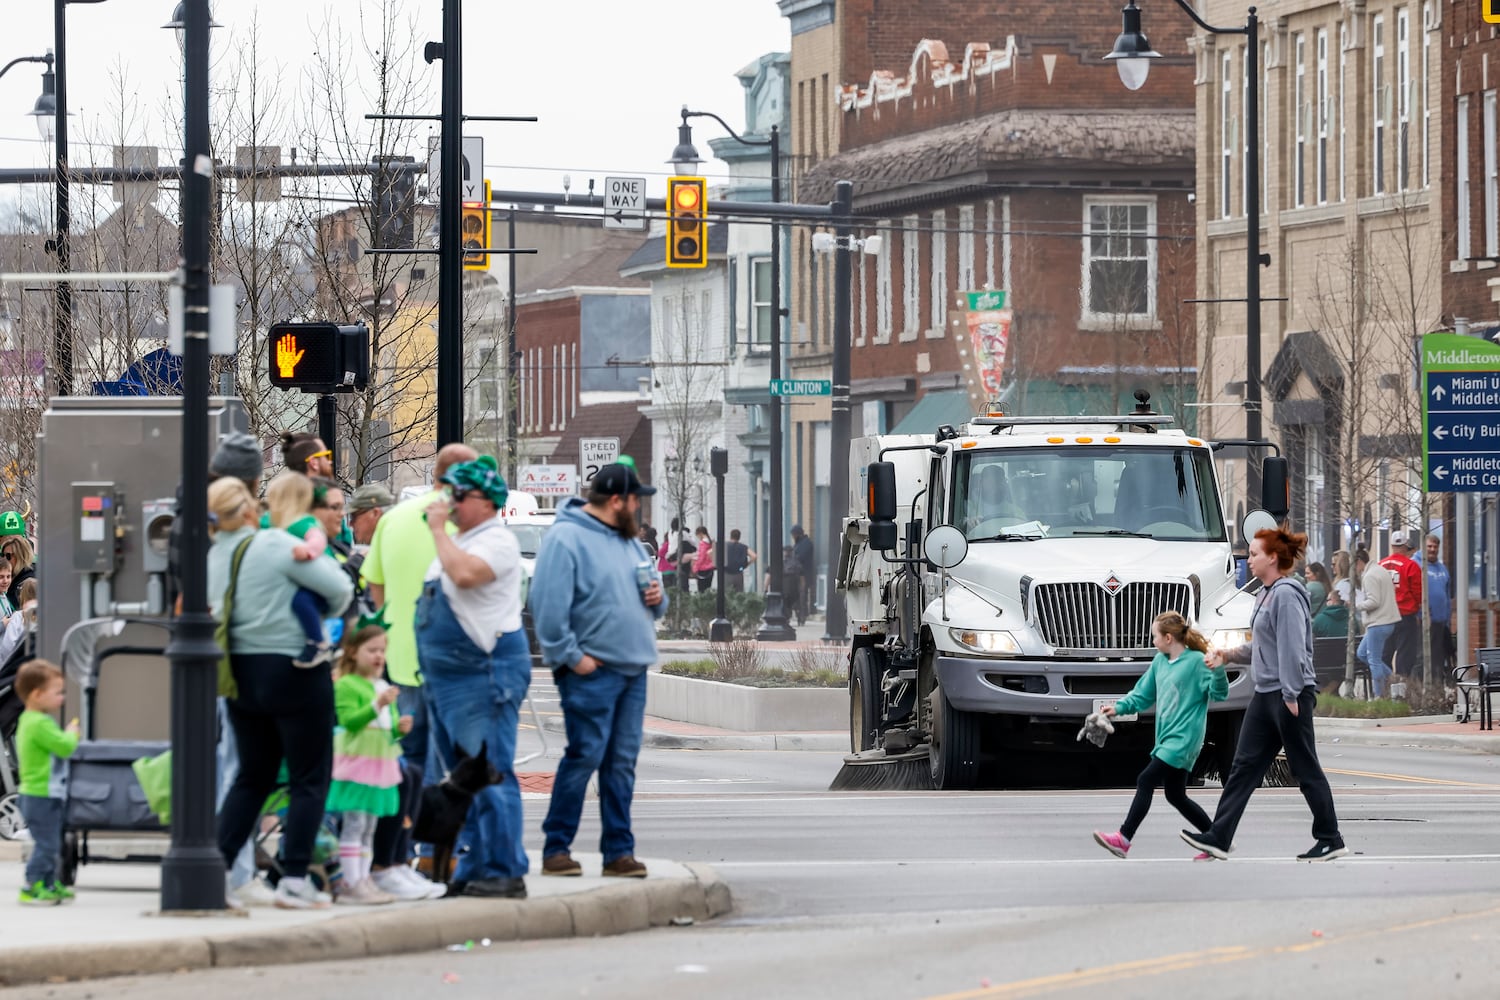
(231, 897)
(254, 893)
(302, 895)
(434, 890)
(391, 881)
(363, 893)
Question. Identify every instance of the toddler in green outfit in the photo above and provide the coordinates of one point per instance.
(39, 685)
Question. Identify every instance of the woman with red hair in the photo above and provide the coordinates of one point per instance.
(1281, 710)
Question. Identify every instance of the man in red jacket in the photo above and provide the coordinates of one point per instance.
(1404, 650)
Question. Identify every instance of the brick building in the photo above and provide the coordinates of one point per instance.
(990, 150)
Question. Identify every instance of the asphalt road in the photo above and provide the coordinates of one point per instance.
(1000, 894)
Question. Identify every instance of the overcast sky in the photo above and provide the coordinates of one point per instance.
(605, 77)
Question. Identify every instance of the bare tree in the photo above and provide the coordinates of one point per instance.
(687, 396)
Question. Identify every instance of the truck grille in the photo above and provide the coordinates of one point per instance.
(1086, 616)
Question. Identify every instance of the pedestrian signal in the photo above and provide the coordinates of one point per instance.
(687, 228)
(319, 357)
(474, 230)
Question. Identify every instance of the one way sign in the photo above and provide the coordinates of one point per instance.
(624, 203)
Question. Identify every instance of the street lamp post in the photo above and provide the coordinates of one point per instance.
(192, 873)
(450, 341)
(721, 629)
(834, 617)
(774, 626)
(1132, 55)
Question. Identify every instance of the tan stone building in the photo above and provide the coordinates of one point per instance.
(1351, 163)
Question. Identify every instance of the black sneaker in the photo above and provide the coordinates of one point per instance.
(1205, 843)
(1325, 850)
(496, 888)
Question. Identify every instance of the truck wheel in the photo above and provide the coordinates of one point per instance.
(864, 700)
(954, 757)
(1217, 755)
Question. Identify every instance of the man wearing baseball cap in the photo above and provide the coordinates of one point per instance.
(1404, 650)
(595, 599)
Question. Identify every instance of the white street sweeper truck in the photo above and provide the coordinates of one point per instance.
(1002, 578)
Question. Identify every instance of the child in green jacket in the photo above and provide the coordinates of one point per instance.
(39, 738)
(1180, 685)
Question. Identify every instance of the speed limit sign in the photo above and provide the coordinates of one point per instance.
(593, 455)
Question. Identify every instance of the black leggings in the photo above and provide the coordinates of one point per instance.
(1173, 781)
(283, 713)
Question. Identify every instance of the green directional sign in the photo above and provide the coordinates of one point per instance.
(801, 387)
(1460, 414)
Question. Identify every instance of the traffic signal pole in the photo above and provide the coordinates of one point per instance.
(450, 337)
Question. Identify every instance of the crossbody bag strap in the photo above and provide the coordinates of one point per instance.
(227, 606)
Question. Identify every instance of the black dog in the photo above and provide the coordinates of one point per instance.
(445, 806)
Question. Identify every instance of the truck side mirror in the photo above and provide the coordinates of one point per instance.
(1275, 487)
(880, 505)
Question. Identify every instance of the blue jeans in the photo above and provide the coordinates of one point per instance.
(309, 609)
(44, 819)
(1370, 650)
(604, 713)
(473, 699)
(243, 869)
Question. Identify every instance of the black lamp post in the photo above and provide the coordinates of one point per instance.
(774, 626)
(192, 873)
(450, 339)
(1132, 55)
(720, 629)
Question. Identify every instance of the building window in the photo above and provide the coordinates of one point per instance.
(1119, 260)
(1463, 194)
(1380, 99)
(1226, 138)
(1343, 145)
(857, 307)
(938, 306)
(1491, 182)
(965, 268)
(1403, 99)
(761, 312)
(911, 276)
(1300, 127)
(1426, 103)
(1324, 109)
(883, 305)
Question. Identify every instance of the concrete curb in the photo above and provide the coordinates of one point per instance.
(1385, 737)
(612, 909)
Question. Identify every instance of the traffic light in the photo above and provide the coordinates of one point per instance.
(319, 357)
(474, 228)
(687, 225)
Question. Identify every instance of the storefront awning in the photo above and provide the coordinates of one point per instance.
(935, 409)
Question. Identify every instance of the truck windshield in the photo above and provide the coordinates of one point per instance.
(1087, 492)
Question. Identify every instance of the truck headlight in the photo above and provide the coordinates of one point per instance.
(1229, 638)
(985, 642)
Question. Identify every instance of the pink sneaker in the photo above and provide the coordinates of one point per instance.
(1113, 843)
(1203, 856)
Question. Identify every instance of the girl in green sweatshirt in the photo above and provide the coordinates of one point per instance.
(1180, 685)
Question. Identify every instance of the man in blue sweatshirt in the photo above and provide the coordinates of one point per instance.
(595, 599)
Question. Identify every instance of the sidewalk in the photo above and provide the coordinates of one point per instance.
(113, 928)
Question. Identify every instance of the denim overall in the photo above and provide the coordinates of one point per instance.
(475, 698)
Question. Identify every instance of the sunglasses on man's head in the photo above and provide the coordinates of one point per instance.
(325, 453)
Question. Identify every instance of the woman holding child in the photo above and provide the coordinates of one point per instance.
(280, 710)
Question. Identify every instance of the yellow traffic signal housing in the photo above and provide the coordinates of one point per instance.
(474, 229)
(687, 222)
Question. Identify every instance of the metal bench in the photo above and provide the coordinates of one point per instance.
(1479, 680)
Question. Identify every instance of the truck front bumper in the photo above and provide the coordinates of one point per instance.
(1055, 689)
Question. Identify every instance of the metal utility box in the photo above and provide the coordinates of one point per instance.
(108, 470)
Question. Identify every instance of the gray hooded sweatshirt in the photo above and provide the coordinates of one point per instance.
(1280, 648)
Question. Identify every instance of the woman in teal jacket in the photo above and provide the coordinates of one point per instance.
(1180, 685)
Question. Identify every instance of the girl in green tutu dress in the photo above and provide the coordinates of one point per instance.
(366, 759)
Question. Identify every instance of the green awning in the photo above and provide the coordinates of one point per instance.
(935, 409)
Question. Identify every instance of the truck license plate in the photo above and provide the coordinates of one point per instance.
(1101, 702)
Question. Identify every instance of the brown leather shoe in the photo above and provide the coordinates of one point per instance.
(561, 864)
(625, 867)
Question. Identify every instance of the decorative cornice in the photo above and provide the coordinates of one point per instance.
(980, 60)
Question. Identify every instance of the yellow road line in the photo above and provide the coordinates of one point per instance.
(1106, 974)
(1409, 778)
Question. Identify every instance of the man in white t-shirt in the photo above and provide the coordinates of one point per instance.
(476, 667)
